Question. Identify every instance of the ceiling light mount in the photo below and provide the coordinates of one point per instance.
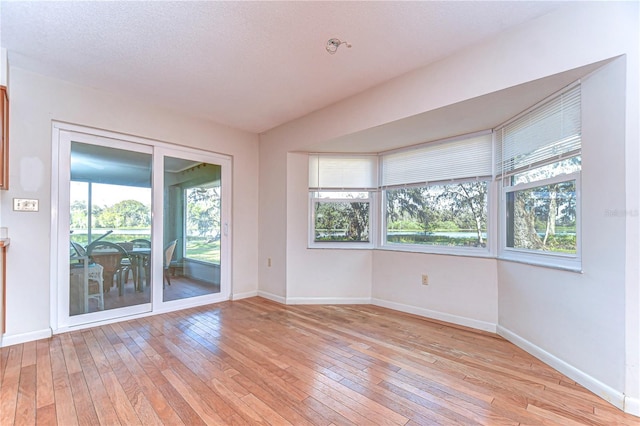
(334, 43)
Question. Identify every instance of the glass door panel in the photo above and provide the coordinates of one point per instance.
(109, 228)
(192, 228)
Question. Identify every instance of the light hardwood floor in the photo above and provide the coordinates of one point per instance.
(258, 362)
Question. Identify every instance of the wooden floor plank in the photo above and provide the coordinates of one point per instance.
(44, 380)
(124, 409)
(326, 414)
(126, 381)
(255, 361)
(26, 403)
(46, 415)
(4, 355)
(29, 354)
(10, 384)
(198, 402)
(266, 412)
(161, 406)
(102, 403)
(289, 408)
(81, 396)
(65, 408)
(85, 408)
(153, 364)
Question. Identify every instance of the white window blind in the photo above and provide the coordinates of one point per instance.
(434, 162)
(547, 133)
(343, 171)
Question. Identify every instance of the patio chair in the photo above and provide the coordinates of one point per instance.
(168, 254)
(111, 257)
(140, 255)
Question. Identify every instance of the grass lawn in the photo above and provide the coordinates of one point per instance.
(203, 249)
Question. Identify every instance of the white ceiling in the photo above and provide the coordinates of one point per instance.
(248, 65)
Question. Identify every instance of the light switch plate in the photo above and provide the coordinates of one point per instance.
(25, 204)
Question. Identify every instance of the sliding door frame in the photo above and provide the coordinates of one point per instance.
(61, 321)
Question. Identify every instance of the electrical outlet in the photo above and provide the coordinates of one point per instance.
(425, 279)
(269, 262)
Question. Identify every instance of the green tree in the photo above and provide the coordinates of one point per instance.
(536, 211)
(124, 214)
(342, 221)
(203, 211)
(78, 215)
(404, 203)
(358, 214)
(468, 199)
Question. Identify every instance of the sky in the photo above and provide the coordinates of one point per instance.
(104, 195)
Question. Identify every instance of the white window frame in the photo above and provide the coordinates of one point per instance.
(342, 244)
(487, 251)
(570, 262)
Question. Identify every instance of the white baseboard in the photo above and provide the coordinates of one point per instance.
(328, 301)
(16, 339)
(632, 405)
(272, 296)
(246, 295)
(604, 391)
(440, 316)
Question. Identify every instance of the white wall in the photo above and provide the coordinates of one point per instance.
(35, 102)
(578, 35)
(4, 67)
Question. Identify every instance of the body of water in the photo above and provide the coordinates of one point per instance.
(453, 234)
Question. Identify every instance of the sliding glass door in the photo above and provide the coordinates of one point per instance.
(141, 227)
(192, 228)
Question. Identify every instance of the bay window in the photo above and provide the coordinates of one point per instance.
(436, 197)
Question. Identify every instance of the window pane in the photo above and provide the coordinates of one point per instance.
(341, 221)
(543, 218)
(443, 215)
(563, 167)
(203, 224)
(110, 208)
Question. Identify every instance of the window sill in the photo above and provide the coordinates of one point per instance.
(543, 261)
(447, 251)
(341, 246)
(480, 253)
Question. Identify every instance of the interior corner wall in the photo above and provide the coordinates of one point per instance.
(309, 280)
(632, 233)
(272, 247)
(36, 100)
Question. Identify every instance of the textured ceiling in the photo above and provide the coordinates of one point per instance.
(248, 65)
